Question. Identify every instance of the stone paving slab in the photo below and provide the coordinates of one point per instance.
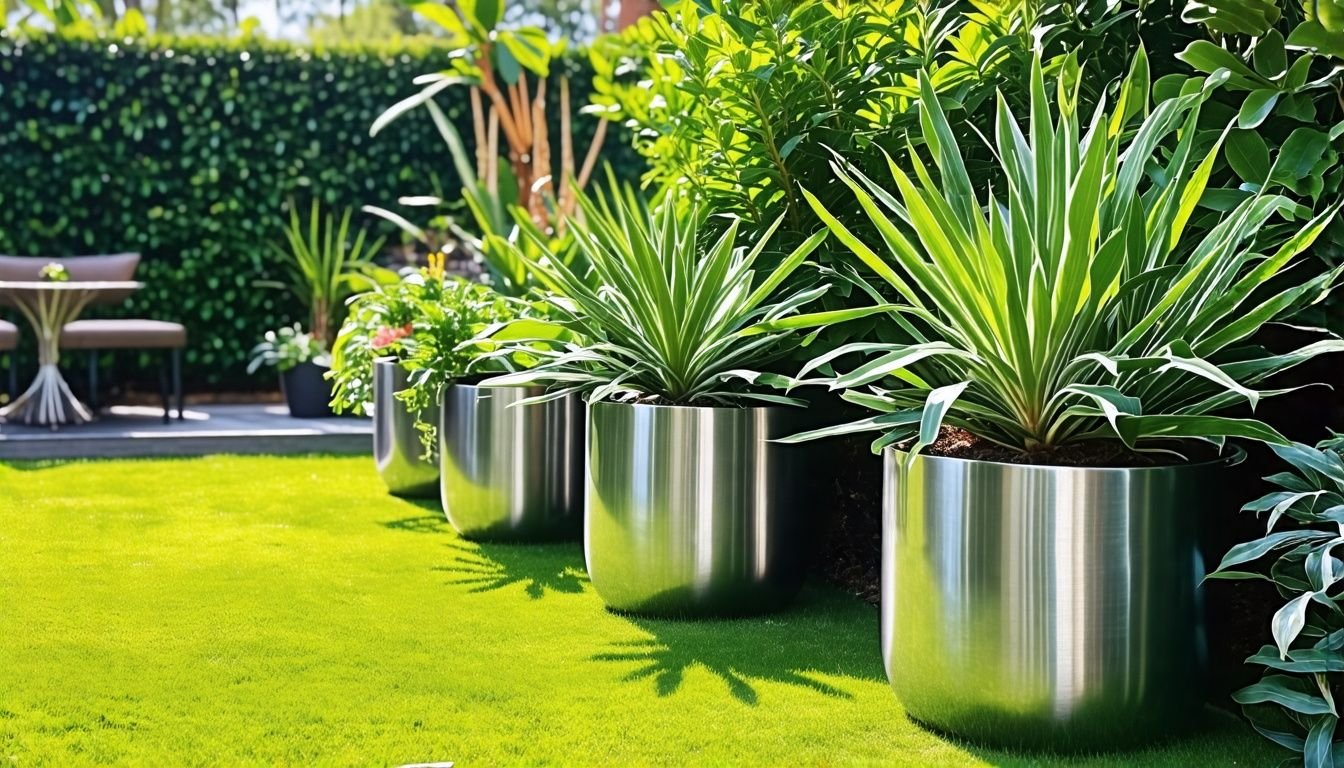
(123, 431)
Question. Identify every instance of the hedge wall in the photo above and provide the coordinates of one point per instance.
(186, 151)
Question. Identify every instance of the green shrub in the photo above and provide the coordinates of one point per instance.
(1293, 704)
(742, 102)
(186, 151)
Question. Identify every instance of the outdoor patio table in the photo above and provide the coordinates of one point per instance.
(48, 306)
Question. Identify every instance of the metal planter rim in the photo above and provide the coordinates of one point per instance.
(1232, 457)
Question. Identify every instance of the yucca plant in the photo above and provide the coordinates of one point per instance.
(668, 321)
(325, 267)
(1067, 303)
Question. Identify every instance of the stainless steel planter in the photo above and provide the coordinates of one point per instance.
(511, 471)
(1045, 606)
(691, 511)
(397, 449)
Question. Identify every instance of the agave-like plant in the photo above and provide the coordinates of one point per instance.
(1074, 301)
(661, 319)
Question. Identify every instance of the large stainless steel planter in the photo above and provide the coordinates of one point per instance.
(1045, 606)
(691, 511)
(397, 449)
(511, 471)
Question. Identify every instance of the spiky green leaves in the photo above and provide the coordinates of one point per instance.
(1077, 298)
(662, 318)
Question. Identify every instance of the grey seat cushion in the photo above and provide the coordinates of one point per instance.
(113, 267)
(123, 334)
(9, 336)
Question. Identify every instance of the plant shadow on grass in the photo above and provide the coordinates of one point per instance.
(539, 568)
(822, 634)
(487, 566)
(431, 522)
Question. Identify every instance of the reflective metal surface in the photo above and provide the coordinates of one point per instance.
(691, 511)
(397, 449)
(511, 471)
(1045, 606)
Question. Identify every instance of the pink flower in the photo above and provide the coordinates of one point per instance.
(387, 336)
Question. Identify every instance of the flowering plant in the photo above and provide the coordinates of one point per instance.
(386, 336)
(288, 347)
(54, 272)
(425, 321)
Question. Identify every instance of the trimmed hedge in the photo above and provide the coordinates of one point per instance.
(186, 151)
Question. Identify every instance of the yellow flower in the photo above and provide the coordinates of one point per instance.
(436, 260)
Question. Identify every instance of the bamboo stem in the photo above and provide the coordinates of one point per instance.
(565, 200)
(518, 110)
(524, 112)
(594, 149)
(491, 90)
(541, 155)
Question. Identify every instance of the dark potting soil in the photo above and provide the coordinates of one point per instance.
(957, 443)
(850, 524)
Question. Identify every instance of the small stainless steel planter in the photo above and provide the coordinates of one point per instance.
(511, 471)
(1045, 606)
(397, 449)
(691, 511)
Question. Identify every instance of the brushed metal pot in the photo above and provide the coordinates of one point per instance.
(511, 471)
(1052, 607)
(397, 450)
(692, 511)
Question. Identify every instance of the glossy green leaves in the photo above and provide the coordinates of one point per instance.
(1294, 704)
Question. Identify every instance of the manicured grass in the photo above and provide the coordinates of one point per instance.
(268, 611)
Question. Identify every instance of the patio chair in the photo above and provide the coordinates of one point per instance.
(95, 336)
(9, 342)
(99, 335)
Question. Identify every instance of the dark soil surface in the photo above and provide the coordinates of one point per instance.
(850, 512)
(957, 443)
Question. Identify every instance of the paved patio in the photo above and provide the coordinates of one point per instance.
(139, 431)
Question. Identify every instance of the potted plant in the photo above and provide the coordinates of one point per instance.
(324, 269)
(1053, 398)
(508, 470)
(691, 509)
(301, 359)
(368, 374)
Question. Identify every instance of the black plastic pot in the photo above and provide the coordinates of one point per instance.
(307, 393)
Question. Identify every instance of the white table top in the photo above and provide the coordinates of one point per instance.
(70, 285)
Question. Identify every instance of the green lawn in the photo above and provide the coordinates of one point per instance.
(269, 611)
